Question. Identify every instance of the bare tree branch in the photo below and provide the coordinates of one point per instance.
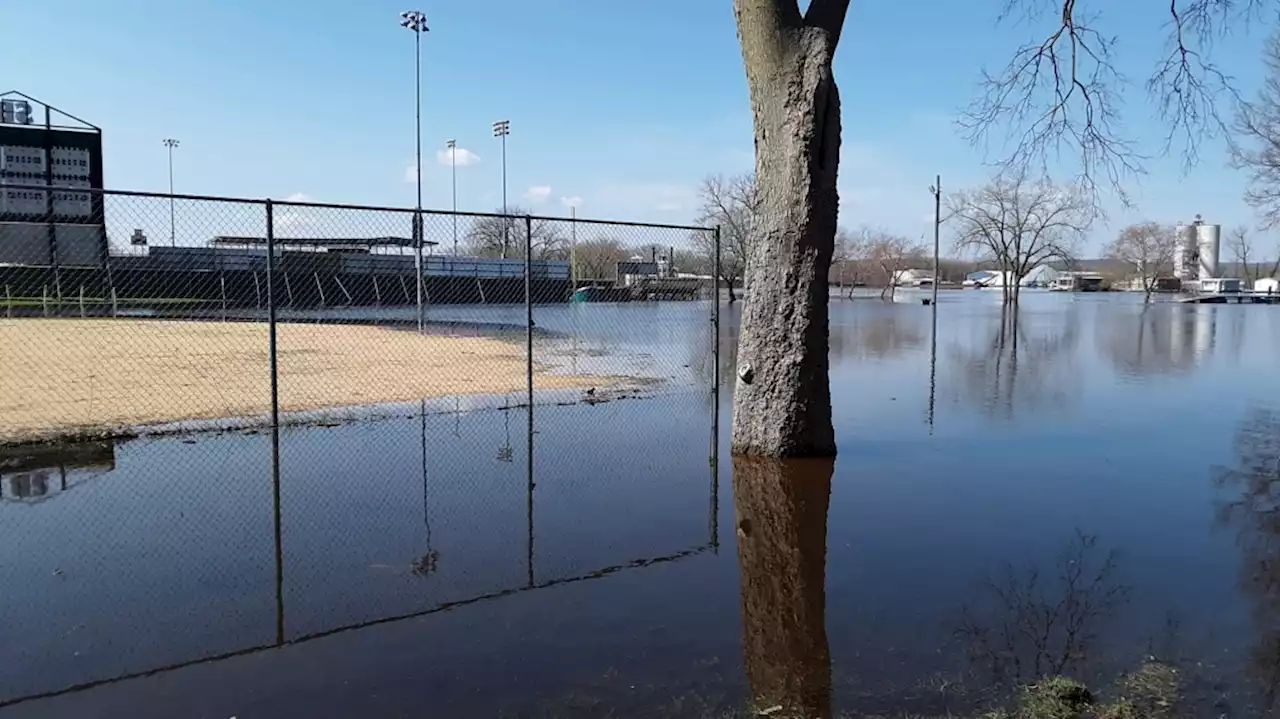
(733, 205)
(1256, 145)
(1063, 91)
(504, 237)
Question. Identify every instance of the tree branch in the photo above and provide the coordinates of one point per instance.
(763, 30)
(827, 15)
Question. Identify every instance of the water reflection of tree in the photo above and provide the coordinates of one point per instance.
(1253, 509)
(1158, 341)
(1029, 623)
(1020, 365)
(868, 331)
(880, 333)
(781, 510)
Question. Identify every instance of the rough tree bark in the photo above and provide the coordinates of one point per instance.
(781, 509)
(782, 403)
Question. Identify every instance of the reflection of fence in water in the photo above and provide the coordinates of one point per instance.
(436, 521)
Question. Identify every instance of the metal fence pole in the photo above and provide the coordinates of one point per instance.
(273, 359)
(417, 266)
(528, 368)
(715, 395)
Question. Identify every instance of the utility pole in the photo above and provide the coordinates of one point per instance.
(573, 248)
(453, 162)
(171, 143)
(501, 129)
(417, 22)
(936, 189)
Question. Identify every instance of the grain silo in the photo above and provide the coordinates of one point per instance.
(1208, 246)
(1184, 253)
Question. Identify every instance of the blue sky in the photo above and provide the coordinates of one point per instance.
(625, 106)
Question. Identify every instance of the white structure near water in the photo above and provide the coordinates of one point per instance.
(1197, 252)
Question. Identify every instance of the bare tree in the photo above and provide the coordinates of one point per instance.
(891, 254)
(1020, 223)
(1061, 92)
(782, 405)
(732, 204)
(598, 259)
(848, 260)
(1147, 248)
(504, 237)
(1256, 148)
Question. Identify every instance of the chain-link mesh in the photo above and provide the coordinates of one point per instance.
(343, 415)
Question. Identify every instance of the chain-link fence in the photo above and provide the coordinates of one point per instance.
(228, 425)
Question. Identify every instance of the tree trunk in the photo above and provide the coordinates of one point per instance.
(782, 405)
(781, 509)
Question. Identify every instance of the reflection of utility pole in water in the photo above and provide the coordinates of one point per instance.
(933, 367)
(505, 452)
(781, 510)
(427, 564)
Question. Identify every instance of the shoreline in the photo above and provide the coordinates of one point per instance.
(91, 379)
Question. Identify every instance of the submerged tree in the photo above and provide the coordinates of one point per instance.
(891, 254)
(1019, 223)
(733, 205)
(1147, 248)
(782, 405)
(1059, 92)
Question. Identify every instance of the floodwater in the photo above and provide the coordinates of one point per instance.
(1115, 464)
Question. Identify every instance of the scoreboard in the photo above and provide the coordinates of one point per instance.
(48, 216)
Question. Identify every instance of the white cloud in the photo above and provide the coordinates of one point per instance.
(411, 173)
(293, 218)
(465, 157)
(571, 201)
(537, 194)
(640, 200)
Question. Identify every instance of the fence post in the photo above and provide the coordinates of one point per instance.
(273, 361)
(81, 301)
(272, 354)
(44, 299)
(8, 301)
(528, 368)
(715, 317)
(418, 269)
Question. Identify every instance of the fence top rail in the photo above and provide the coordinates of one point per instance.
(368, 208)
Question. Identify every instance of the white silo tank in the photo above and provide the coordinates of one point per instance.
(1209, 244)
(1184, 253)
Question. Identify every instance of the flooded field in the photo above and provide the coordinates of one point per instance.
(1083, 491)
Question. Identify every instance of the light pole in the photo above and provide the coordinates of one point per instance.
(453, 162)
(171, 143)
(936, 190)
(416, 21)
(501, 129)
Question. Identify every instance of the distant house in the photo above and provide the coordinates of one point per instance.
(913, 278)
(635, 270)
(1040, 276)
(1269, 285)
(1077, 282)
(988, 278)
(1220, 285)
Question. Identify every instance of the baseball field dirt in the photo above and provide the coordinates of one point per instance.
(61, 377)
